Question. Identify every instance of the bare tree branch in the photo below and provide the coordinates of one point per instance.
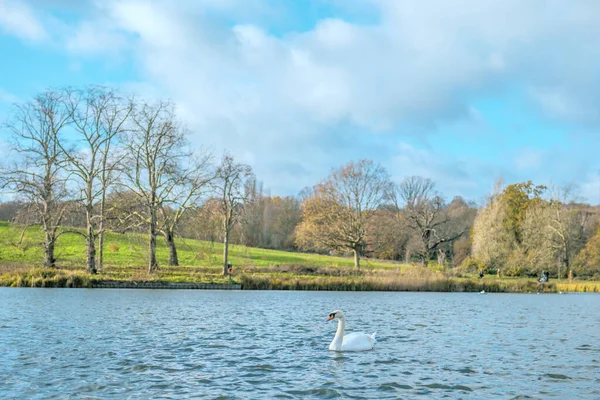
(229, 188)
(36, 174)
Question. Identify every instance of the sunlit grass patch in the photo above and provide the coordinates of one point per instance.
(578, 286)
(201, 262)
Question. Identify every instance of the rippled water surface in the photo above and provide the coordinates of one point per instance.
(143, 344)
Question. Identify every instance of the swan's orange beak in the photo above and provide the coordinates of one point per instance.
(330, 318)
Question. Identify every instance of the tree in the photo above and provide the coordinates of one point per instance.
(425, 213)
(281, 217)
(155, 147)
(230, 183)
(510, 231)
(188, 183)
(535, 252)
(388, 234)
(202, 222)
(37, 174)
(568, 223)
(10, 210)
(268, 222)
(587, 262)
(337, 213)
(461, 216)
(98, 116)
(461, 249)
(518, 198)
(253, 215)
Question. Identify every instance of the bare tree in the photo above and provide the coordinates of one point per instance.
(281, 217)
(203, 222)
(425, 213)
(36, 175)
(253, 215)
(115, 120)
(337, 214)
(388, 234)
(567, 222)
(183, 191)
(98, 116)
(155, 148)
(230, 190)
(461, 217)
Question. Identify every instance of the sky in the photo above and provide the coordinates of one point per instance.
(463, 92)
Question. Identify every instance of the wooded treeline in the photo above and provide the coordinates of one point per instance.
(94, 159)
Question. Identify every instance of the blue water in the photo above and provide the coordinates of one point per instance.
(143, 344)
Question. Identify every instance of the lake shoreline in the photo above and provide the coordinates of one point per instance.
(253, 269)
(441, 286)
(255, 279)
(163, 285)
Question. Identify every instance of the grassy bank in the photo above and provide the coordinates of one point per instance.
(578, 286)
(125, 260)
(254, 269)
(277, 280)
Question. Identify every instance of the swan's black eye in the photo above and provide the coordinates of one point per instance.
(332, 315)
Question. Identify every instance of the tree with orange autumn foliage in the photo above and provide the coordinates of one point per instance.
(336, 213)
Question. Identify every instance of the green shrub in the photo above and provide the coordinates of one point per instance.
(471, 265)
(434, 266)
(514, 271)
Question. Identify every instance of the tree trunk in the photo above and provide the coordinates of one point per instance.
(225, 252)
(101, 247)
(566, 261)
(441, 257)
(91, 250)
(152, 263)
(356, 259)
(49, 260)
(173, 259)
(407, 256)
(101, 231)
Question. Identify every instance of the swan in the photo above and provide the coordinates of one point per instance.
(355, 341)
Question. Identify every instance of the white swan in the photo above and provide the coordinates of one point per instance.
(356, 341)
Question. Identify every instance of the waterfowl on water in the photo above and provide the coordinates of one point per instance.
(355, 341)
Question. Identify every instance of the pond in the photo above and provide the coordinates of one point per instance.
(142, 344)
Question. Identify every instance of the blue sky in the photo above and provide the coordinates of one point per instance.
(462, 92)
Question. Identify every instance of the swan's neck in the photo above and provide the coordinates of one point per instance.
(336, 344)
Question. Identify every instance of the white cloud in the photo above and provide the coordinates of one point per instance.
(420, 63)
(570, 104)
(91, 38)
(17, 19)
(452, 177)
(297, 103)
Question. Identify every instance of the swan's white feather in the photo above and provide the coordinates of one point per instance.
(355, 341)
(358, 341)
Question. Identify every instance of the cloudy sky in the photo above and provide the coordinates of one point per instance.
(462, 92)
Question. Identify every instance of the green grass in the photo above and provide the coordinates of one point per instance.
(125, 260)
(130, 250)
